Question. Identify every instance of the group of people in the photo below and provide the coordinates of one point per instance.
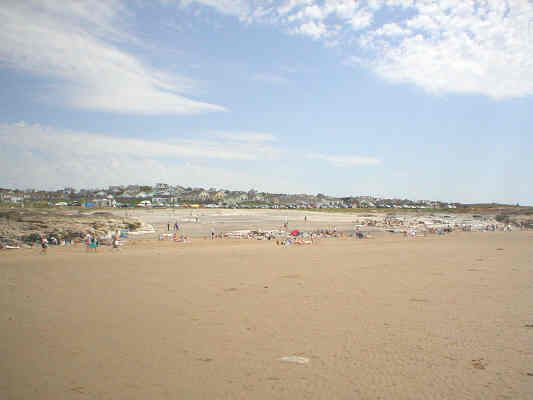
(45, 242)
(176, 226)
(91, 242)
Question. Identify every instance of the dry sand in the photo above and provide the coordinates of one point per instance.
(432, 318)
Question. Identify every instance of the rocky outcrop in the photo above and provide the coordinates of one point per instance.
(23, 226)
(520, 218)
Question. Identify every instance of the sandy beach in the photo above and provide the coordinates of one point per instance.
(440, 317)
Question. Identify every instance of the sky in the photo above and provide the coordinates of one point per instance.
(418, 99)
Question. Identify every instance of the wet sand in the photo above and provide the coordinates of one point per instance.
(198, 222)
(438, 317)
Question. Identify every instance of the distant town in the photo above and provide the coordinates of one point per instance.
(165, 195)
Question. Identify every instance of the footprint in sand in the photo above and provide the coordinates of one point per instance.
(479, 363)
(419, 300)
(291, 276)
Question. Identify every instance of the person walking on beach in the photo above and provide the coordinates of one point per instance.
(212, 233)
(88, 240)
(176, 226)
(94, 244)
(115, 241)
(44, 245)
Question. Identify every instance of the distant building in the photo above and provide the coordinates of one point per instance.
(217, 195)
(103, 203)
(143, 195)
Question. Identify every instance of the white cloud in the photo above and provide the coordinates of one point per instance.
(392, 29)
(291, 5)
(311, 28)
(458, 46)
(344, 161)
(73, 43)
(239, 8)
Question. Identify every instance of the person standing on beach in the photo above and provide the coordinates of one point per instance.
(94, 243)
(115, 241)
(176, 226)
(212, 233)
(44, 245)
(88, 240)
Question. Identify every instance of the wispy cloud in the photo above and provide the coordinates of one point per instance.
(43, 156)
(75, 42)
(344, 160)
(54, 141)
(239, 8)
(461, 46)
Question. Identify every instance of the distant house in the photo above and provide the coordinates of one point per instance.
(115, 189)
(162, 199)
(236, 197)
(203, 195)
(143, 195)
(103, 203)
(128, 194)
(218, 195)
(15, 199)
(3, 194)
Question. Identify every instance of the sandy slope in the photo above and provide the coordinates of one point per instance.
(432, 318)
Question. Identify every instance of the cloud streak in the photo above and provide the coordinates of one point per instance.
(51, 141)
(254, 137)
(73, 42)
(44, 156)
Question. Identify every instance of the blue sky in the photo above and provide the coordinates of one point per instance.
(403, 98)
